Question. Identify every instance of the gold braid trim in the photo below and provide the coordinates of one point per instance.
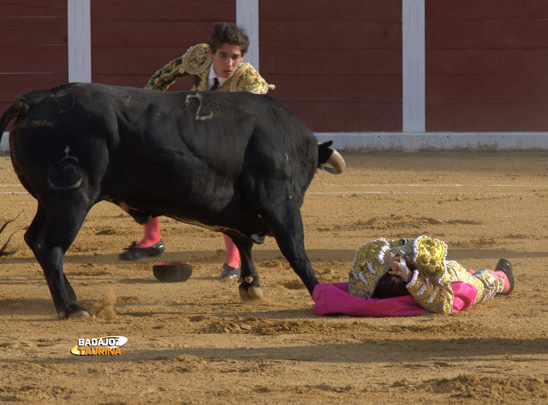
(246, 78)
(196, 60)
(429, 255)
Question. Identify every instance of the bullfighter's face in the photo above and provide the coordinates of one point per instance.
(226, 60)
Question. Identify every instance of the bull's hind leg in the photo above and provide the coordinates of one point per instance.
(59, 228)
(286, 224)
(250, 287)
(30, 238)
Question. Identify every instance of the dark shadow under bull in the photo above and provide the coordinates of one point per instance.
(237, 163)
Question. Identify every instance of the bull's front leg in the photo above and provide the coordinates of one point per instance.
(52, 265)
(287, 227)
(250, 287)
(31, 236)
(49, 236)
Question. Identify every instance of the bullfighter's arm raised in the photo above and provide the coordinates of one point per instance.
(166, 76)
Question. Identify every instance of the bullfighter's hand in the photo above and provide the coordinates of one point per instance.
(403, 271)
(392, 261)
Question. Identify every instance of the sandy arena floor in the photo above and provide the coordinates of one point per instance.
(197, 342)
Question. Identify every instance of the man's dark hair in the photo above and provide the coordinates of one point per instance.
(228, 33)
(390, 286)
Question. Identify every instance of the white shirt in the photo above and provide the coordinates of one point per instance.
(212, 76)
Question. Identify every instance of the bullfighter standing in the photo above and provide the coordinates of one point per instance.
(217, 65)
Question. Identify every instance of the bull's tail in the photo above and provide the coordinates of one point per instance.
(328, 155)
(18, 108)
(4, 249)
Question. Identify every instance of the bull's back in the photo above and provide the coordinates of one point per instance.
(122, 134)
(202, 122)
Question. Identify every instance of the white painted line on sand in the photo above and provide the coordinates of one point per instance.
(414, 192)
(430, 185)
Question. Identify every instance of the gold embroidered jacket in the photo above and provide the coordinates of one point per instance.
(197, 62)
(430, 255)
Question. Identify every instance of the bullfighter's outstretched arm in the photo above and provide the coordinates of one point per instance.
(196, 61)
(166, 76)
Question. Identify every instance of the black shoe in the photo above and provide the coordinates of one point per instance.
(230, 272)
(506, 267)
(134, 253)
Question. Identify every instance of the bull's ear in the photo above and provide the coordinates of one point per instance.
(324, 152)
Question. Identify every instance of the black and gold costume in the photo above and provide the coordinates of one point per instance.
(197, 62)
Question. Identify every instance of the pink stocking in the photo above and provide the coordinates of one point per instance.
(232, 255)
(500, 274)
(152, 233)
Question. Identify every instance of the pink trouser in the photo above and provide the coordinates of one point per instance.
(498, 275)
(151, 233)
(152, 236)
(232, 255)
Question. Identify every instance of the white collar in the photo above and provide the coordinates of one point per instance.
(212, 76)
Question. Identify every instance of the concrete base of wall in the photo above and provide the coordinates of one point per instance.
(4, 145)
(417, 141)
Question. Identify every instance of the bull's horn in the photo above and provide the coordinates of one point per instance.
(336, 162)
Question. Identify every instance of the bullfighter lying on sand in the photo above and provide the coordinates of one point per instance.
(408, 277)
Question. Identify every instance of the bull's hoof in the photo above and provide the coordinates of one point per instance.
(78, 314)
(250, 292)
(74, 311)
(255, 293)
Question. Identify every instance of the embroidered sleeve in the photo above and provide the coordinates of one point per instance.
(195, 61)
(367, 268)
(429, 254)
(166, 76)
(428, 297)
(246, 78)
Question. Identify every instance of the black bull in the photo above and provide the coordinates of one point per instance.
(238, 163)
